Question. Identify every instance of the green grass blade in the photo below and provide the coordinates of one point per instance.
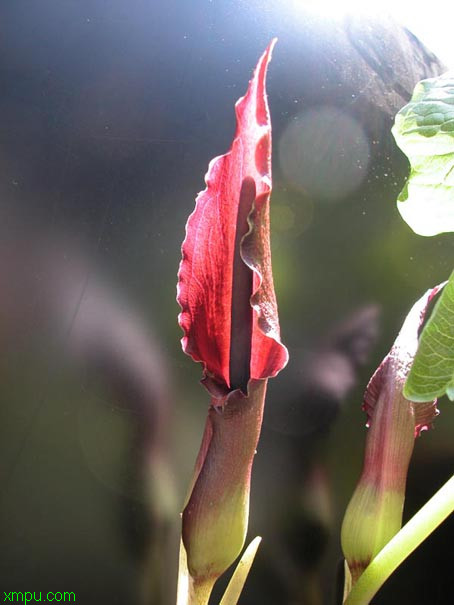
(235, 586)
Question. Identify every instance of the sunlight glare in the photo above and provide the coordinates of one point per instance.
(334, 8)
(433, 27)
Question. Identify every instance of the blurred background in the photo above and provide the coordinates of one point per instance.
(109, 115)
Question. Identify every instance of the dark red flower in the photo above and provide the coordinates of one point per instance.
(225, 284)
(230, 323)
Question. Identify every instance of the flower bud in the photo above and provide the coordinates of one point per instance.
(374, 514)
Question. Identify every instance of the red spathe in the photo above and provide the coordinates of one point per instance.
(207, 270)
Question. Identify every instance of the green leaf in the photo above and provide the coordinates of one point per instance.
(424, 130)
(235, 586)
(432, 373)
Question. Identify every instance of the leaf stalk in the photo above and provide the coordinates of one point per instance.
(412, 534)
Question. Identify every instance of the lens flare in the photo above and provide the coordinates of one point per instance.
(325, 152)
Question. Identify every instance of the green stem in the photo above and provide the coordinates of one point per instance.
(428, 518)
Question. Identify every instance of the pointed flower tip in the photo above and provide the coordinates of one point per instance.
(262, 64)
(225, 284)
(256, 111)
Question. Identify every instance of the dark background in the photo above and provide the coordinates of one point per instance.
(109, 115)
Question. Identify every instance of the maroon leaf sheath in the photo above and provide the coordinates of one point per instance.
(374, 514)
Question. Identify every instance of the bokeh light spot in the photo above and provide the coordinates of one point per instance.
(325, 152)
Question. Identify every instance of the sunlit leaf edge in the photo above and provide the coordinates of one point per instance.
(423, 384)
(424, 131)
